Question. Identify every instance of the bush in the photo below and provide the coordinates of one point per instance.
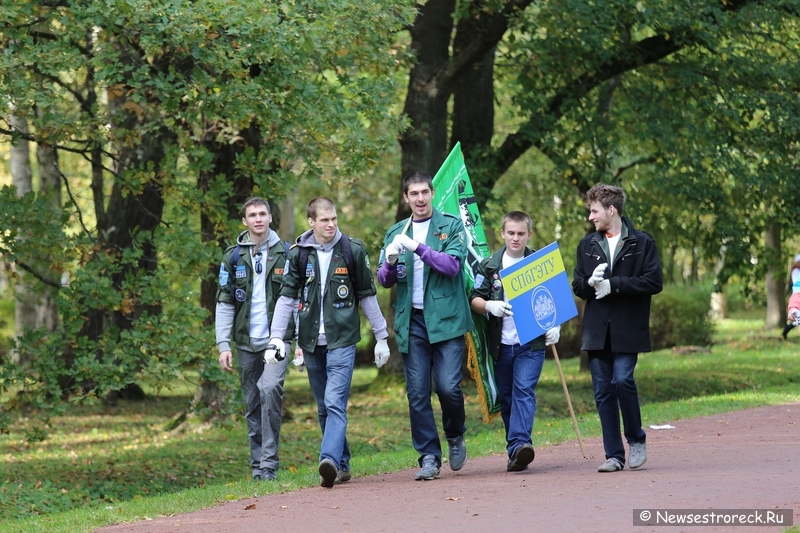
(679, 317)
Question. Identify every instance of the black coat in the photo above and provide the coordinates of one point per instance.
(635, 276)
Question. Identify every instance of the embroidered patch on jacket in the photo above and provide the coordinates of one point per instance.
(240, 295)
(278, 272)
(241, 273)
(342, 291)
(479, 280)
(401, 271)
(223, 275)
(443, 236)
(341, 270)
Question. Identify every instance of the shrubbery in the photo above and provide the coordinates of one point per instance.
(679, 317)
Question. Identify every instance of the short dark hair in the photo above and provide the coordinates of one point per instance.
(517, 216)
(416, 177)
(255, 200)
(607, 195)
(320, 202)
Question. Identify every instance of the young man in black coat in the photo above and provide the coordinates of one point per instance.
(617, 271)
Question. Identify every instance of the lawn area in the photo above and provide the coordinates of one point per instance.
(102, 465)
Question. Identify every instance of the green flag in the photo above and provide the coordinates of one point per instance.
(453, 194)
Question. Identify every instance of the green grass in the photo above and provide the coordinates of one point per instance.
(102, 465)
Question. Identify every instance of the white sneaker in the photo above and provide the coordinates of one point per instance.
(638, 454)
(611, 465)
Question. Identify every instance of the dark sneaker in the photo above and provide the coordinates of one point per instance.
(327, 473)
(266, 475)
(521, 458)
(638, 454)
(429, 469)
(611, 465)
(342, 477)
(458, 453)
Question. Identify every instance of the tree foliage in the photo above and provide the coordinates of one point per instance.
(152, 96)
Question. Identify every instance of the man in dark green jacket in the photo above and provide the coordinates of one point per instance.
(330, 325)
(431, 317)
(517, 367)
(250, 278)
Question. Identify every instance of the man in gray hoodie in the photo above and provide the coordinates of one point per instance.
(250, 279)
(326, 287)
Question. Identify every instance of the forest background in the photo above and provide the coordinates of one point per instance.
(132, 131)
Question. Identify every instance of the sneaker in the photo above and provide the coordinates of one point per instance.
(327, 473)
(611, 465)
(458, 453)
(265, 475)
(638, 454)
(521, 458)
(342, 477)
(429, 469)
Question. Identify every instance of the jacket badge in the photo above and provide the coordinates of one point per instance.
(342, 291)
(241, 273)
(341, 270)
(240, 295)
(401, 271)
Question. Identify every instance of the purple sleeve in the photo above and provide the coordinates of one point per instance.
(441, 262)
(387, 274)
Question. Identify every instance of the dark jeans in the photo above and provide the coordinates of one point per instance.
(614, 391)
(444, 359)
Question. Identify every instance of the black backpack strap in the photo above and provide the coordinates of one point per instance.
(235, 256)
(302, 261)
(347, 252)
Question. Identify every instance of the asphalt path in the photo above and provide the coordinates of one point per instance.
(740, 460)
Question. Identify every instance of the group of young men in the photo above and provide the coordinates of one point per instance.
(270, 292)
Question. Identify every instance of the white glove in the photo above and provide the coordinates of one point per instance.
(597, 275)
(392, 253)
(299, 361)
(382, 352)
(552, 336)
(276, 355)
(794, 316)
(499, 308)
(405, 241)
(602, 289)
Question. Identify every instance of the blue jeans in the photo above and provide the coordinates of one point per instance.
(516, 373)
(330, 373)
(444, 359)
(262, 387)
(615, 391)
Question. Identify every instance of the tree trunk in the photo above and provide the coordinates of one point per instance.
(22, 179)
(776, 301)
(424, 143)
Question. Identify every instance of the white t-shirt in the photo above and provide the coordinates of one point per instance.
(324, 263)
(612, 248)
(259, 321)
(420, 235)
(509, 336)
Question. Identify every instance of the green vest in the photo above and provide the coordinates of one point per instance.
(447, 312)
(239, 290)
(341, 316)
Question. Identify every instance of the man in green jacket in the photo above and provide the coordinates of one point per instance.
(250, 278)
(432, 315)
(330, 326)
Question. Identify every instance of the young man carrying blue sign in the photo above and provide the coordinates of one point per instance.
(616, 272)
(516, 367)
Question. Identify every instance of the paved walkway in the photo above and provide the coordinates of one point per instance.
(740, 460)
